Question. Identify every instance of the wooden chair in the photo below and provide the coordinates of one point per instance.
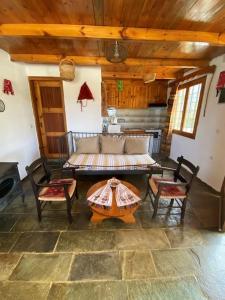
(48, 190)
(175, 188)
(221, 198)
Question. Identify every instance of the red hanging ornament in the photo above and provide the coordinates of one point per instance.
(7, 87)
(85, 94)
(221, 82)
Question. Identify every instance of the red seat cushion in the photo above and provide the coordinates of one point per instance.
(167, 192)
(57, 193)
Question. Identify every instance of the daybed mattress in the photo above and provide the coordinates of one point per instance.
(110, 161)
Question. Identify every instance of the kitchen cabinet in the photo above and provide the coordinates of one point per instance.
(135, 93)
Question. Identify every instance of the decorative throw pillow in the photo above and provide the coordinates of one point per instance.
(112, 144)
(88, 145)
(137, 145)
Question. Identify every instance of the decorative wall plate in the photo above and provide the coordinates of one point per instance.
(2, 106)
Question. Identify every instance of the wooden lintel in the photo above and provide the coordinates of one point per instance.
(102, 61)
(131, 75)
(202, 71)
(110, 32)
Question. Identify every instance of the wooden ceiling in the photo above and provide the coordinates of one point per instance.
(190, 15)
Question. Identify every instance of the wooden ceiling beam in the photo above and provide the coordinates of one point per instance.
(109, 32)
(132, 75)
(200, 72)
(95, 60)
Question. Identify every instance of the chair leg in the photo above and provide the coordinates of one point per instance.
(23, 198)
(183, 208)
(146, 194)
(171, 203)
(76, 193)
(156, 204)
(38, 205)
(68, 204)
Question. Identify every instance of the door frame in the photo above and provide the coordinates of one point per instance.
(31, 80)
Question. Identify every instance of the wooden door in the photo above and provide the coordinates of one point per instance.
(50, 115)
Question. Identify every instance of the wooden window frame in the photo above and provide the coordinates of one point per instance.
(187, 85)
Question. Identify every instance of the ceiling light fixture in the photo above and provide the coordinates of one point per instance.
(116, 53)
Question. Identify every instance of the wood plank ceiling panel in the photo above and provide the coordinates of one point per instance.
(47, 11)
(204, 15)
(50, 46)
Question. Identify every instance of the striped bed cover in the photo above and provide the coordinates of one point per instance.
(110, 161)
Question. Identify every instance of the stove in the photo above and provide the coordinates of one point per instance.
(10, 183)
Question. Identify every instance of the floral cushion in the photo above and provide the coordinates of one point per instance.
(57, 193)
(167, 192)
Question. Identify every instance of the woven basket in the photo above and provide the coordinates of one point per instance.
(67, 69)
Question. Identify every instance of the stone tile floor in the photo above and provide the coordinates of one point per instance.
(160, 259)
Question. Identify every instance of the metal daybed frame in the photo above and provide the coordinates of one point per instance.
(67, 147)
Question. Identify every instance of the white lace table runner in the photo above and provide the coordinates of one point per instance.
(103, 196)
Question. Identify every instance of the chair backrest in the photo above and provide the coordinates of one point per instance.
(192, 170)
(38, 165)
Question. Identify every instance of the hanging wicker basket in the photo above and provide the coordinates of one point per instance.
(67, 69)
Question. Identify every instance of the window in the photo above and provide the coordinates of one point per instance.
(187, 107)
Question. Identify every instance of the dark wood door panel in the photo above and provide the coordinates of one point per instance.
(54, 122)
(51, 97)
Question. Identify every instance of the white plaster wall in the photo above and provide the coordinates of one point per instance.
(18, 139)
(89, 120)
(207, 149)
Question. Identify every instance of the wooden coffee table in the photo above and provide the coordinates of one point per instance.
(124, 214)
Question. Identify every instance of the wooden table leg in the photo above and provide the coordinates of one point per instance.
(97, 218)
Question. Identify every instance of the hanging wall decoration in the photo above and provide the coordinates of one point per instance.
(85, 94)
(2, 106)
(120, 85)
(221, 83)
(7, 87)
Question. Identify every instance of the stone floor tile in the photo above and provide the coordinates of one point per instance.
(137, 265)
(184, 237)
(42, 267)
(159, 221)
(213, 237)
(81, 221)
(17, 206)
(211, 272)
(109, 290)
(174, 262)
(30, 223)
(36, 242)
(166, 289)
(23, 290)
(96, 266)
(7, 222)
(7, 264)
(7, 240)
(141, 239)
(84, 241)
